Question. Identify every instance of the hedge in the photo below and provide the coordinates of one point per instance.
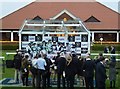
(99, 47)
(10, 46)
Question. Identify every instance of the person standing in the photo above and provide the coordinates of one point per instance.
(60, 62)
(106, 50)
(48, 72)
(41, 63)
(68, 48)
(112, 50)
(33, 70)
(17, 64)
(25, 70)
(71, 69)
(112, 72)
(88, 69)
(101, 74)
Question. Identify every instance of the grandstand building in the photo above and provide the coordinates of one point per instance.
(102, 21)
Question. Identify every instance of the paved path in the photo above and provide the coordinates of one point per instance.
(11, 82)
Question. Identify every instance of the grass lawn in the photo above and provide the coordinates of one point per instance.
(9, 72)
(46, 88)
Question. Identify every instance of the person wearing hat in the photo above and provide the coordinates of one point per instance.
(101, 74)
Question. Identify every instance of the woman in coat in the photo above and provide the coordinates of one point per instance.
(112, 72)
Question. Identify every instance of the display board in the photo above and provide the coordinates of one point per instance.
(79, 44)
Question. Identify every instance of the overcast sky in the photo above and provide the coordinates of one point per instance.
(9, 6)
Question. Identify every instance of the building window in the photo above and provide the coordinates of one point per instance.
(6, 36)
(15, 36)
(106, 36)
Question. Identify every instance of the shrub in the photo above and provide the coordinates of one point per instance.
(99, 47)
(10, 46)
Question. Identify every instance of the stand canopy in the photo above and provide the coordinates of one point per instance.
(71, 31)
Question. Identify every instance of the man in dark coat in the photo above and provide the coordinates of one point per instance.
(101, 74)
(71, 69)
(17, 64)
(60, 62)
(88, 69)
(112, 50)
(47, 71)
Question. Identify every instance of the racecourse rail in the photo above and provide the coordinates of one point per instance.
(93, 54)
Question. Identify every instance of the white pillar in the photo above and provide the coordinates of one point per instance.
(93, 37)
(20, 41)
(89, 42)
(11, 36)
(117, 36)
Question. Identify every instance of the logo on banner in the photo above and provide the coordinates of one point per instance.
(77, 39)
(46, 38)
(61, 39)
(31, 38)
(78, 50)
(24, 44)
(84, 44)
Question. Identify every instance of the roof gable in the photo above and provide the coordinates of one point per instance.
(64, 12)
(92, 19)
(37, 18)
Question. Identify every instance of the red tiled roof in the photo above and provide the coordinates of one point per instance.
(82, 10)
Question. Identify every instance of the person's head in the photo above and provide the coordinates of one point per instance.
(26, 56)
(68, 57)
(113, 58)
(62, 54)
(102, 59)
(67, 44)
(87, 55)
(100, 54)
(73, 54)
(43, 53)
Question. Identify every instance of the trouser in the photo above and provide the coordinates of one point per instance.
(40, 78)
(47, 79)
(101, 84)
(89, 82)
(101, 87)
(17, 76)
(25, 79)
(34, 80)
(59, 75)
(112, 84)
(70, 81)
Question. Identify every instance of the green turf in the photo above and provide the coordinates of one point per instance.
(9, 72)
(47, 88)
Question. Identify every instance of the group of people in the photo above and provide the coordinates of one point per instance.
(49, 47)
(109, 49)
(66, 65)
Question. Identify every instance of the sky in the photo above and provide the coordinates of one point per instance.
(9, 6)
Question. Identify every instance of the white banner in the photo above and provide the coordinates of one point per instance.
(47, 38)
(77, 39)
(31, 38)
(84, 44)
(61, 39)
(78, 50)
(24, 44)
